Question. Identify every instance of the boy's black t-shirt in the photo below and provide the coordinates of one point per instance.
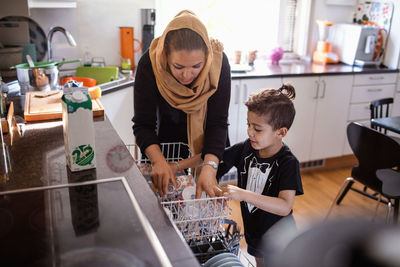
(266, 176)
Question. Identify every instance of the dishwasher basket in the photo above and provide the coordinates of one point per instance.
(172, 152)
(202, 222)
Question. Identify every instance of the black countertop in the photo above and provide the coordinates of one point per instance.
(36, 159)
(302, 68)
(266, 69)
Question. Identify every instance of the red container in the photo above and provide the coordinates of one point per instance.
(89, 82)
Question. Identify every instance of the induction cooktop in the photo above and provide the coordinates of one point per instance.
(92, 223)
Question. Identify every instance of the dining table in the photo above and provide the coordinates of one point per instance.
(388, 123)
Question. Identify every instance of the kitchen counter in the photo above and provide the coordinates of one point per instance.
(302, 68)
(36, 159)
(266, 69)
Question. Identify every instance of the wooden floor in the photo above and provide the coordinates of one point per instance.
(320, 189)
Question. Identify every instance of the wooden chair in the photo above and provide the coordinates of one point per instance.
(380, 109)
(374, 151)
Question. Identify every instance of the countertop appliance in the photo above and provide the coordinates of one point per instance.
(355, 43)
(323, 53)
(148, 21)
(89, 223)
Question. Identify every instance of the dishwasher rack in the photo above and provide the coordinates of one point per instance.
(198, 219)
(203, 223)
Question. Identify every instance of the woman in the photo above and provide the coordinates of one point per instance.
(182, 92)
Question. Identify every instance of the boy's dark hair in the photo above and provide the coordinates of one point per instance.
(183, 39)
(275, 104)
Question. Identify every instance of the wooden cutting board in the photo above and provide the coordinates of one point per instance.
(47, 106)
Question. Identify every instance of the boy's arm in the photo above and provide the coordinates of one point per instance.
(281, 205)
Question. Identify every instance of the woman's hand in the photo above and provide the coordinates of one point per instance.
(233, 192)
(207, 182)
(161, 175)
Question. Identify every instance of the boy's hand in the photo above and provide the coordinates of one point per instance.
(233, 192)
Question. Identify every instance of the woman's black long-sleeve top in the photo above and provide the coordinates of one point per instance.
(155, 121)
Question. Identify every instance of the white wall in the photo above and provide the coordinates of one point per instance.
(334, 13)
(392, 54)
(94, 25)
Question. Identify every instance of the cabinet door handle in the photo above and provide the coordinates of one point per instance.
(323, 89)
(237, 92)
(375, 90)
(376, 77)
(316, 91)
(245, 93)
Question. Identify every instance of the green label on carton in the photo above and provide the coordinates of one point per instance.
(73, 106)
(83, 155)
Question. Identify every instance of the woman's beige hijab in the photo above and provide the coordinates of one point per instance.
(193, 100)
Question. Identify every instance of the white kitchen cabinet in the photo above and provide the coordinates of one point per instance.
(319, 128)
(367, 88)
(233, 111)
(396, 104)
(118, 107)
(240, 92)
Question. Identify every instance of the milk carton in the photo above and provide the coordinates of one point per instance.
(78, 128)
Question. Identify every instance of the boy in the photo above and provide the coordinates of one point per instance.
(268, 172)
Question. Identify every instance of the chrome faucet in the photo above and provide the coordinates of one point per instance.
(66, 33)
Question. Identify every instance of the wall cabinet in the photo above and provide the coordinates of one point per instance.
(319, 128)
(366, 88)
(118, 107)
(240, 92)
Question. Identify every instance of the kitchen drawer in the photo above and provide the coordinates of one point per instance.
(377, 78)
(359, 112)
(371, 92)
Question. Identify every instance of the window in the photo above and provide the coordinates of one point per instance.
(240, 25)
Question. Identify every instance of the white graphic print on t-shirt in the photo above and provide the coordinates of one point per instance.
(257, 177)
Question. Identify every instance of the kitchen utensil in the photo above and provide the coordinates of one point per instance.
(148, 20)
(45, 64)
(42, 77)
(39, 108)
(100, 74)
(323, 53)
(98, 62)
(30, 61)
(36, 34)
(128, 43)
(89, 82)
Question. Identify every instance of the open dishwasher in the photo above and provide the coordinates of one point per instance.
(203, 222)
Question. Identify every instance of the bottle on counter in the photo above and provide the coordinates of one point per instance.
(87, 59)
